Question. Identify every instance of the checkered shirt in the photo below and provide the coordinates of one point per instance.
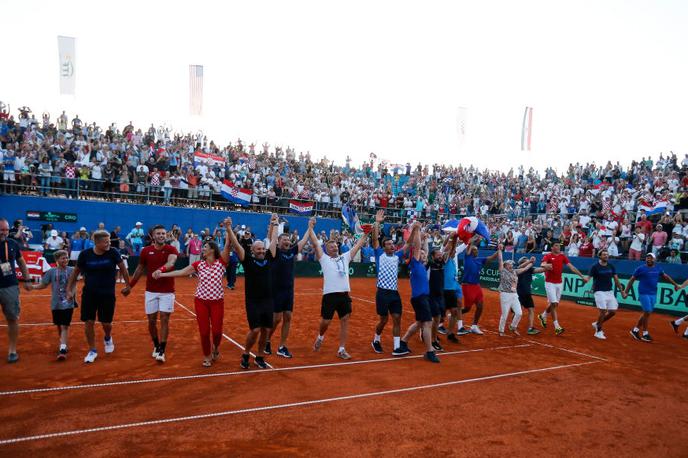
(210, 277)
(387, 271)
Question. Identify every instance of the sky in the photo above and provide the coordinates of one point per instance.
(607, 80)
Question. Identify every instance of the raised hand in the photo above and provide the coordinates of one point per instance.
(228, 223)
(380, 216)
(311, 222)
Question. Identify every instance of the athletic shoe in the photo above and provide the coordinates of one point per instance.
(244, 362)
(91, 356)
(12, 358)
(156, 352)
(317, 344)
(283, 352)
(431, 356)
(442, 330)
(543, 320)
(260, 362)
(559, 331)
(160, 358)
(62, 354)
(674, 325)
(502, 334)
(436, 345)
(514, 331)
(401, 350)
(377, 346)
(109, 345)
(646, 338)
(268, 348)
(343, 354)
(600, 335)
(635, 334)
(462, 331)
(533, 331)
(476, 330)
(452, 338)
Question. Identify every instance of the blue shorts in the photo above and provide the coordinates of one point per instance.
(387, 301)
(647, 302)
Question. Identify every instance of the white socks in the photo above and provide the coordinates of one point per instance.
(341, 349)
(556, 324)
(459, 324)
(376, 338)
(397, 342)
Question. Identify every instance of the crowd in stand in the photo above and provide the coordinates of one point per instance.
(587, 208)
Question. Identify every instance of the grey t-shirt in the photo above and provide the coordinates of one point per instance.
(58, 279)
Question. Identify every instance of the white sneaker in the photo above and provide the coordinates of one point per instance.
(476, 330)
(600, 335)
(109, 345)
(160, 358)
(91, 356)
(155, 353)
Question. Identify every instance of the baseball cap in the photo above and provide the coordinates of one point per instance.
(651, 254)
(53, 233)
(82, 228)
(139, 223)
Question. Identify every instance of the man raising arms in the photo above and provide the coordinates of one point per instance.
(472, 292)
(159, 297)
(335, 269)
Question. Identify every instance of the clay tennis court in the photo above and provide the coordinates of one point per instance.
(490, 395)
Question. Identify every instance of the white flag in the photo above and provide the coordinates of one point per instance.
(196, 89)
(461, 125)
(67, 56)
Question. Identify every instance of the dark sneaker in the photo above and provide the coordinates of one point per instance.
(436, 345)
(635, 334)
(244, 362)
(442, 330)
(268, 348)
(12, 358)
(401, 350)
(452, 338)
(462, 331)
(377, 346)
(543, 320)
(283, 352)
(431, 356)
(260, 362)
(685, 336)
(646, 338)
(674, 325)
(62, 354)
(533, 331)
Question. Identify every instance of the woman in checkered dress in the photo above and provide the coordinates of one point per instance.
(209, 299)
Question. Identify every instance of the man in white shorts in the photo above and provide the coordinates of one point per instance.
(553, 283)
(159, 293)
(602, 274)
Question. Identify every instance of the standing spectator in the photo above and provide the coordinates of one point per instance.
(636, 249)
(659, 239)
(193, 248)
(135, 238)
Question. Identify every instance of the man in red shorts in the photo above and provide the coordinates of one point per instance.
(159, 296)
(472, 292)
(553, 283)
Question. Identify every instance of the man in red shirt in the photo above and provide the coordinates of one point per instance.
(159, 293)
(553, 283)
(644, 225)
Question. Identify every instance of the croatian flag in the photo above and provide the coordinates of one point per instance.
(235, 194)
(209, 159)
(658, 208)
(351, 219)
(301, 208)
(466, 228)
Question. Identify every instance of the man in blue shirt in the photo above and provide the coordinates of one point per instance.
(420, 299)
(387, 299)
(472, 293)
(648, 277)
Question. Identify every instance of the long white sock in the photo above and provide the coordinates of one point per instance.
(321, 338)
(397, 342)
(685, 333)
(556, 324)
(635, 329)
(645, 333)
(342, 349)
(376, 338)
(459, 324)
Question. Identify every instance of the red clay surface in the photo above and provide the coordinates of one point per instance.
(489, 396)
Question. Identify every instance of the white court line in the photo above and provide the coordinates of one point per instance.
(223, 334)
(81, 322)
(286, 406)
(225, 374)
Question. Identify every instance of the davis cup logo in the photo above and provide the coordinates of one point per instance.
(67, 68)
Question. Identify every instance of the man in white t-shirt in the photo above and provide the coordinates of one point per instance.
(54, 242)
(335, 269)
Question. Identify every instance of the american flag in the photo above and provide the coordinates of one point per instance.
(196, 89)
